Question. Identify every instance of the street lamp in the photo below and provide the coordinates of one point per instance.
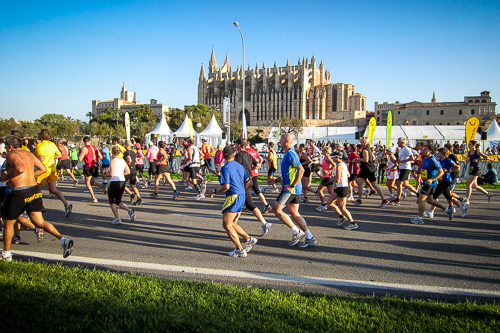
(243, 118)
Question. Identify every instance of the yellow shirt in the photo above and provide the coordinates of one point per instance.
(273, 157)
(25, 148)
(49, 150)
(120, 155)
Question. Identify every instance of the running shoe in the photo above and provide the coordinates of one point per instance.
(39, 234)
(358, 202)
(463, 200)
(131, 213)
(4, 257)
(68, 209)
(189, 188)
(50, 195)
(262, 190)
(411, 194)
(117, 221)
(265, 229)
(67, 248)
(200, 196)
(238, 253)
(308, 242)
(365, 192)
(132, 197)
(403, 195)
(297, 238)
(16, 239)
(138, 202)
(93, 200)
(372, 192)
(417, 220)
(75, 182)
(276, 190)
(321, 207)
(104, 189)
(395, 202)
(350, 198)
(384, 203)
(489, 196)
(305, 199)
(267, 209)
(245, 209)
(463, 210)
(341, 221)
(249, 244)
(351, 226)
(154, 196)
(203, 188)
(429, 214)
(176, 194)
(449, 212)
(204, 181)
(318, 197)
(145, 185)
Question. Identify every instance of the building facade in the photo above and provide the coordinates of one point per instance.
(126, 102)
(302, 91)
(438, 113)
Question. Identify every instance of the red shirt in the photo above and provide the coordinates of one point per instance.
(256, 156)
(64, 152)
(353, 167)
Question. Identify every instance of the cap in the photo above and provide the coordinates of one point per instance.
(150, 143)
(184, 143)
(137, 145)
(229, 150)
(72, 145)
(203, 139)
(336, 154)
(391, 149)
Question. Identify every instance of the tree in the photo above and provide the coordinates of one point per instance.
(175, 117)
(145, 114)
(292, 125)
(90, 115)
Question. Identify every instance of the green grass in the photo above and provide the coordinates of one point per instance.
(53, 298)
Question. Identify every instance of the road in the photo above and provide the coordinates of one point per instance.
(184, 239)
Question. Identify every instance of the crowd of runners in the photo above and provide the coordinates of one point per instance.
(348, 173)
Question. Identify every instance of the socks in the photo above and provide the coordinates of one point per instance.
(295, 230)
(309, 235)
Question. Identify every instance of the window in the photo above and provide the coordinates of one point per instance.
(440, 123)
(410, 111)
(427, 123)
(413, 122)
(460, 112)
(399, 112)
(442, 112)
(427, 112)
(472, 111)
(419, 110)
(449, 124)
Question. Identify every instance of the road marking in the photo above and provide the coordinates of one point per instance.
(269, 276)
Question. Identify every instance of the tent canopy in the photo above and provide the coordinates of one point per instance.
(322, 133)
(213, 133)
(183, 131)
(493, 132)
(162, 130)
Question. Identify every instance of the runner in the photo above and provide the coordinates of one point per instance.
(47, 152)
(327, 182)
(104, 162)
(292, 172)
(255, 176)
(219, 160)
(131, 159)
(405, 159)
(392, 173)
(140, 164)
(151, 155)
(118, 171)
(250, 163)
(73, 152)
(474, 159)
(272, 164)
(91, 155)
(306, 162)
(234, 180)
(207, 150)
(162, 168)
(353, 170)
(367, 172)
(25, 195)
(64, 162)
(431, 171)
(314, 154)
(193, 166)
(339, 195)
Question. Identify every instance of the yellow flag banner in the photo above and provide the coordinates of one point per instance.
(389, 128)
(471, 129)
(371, 129)
(191, 129)
(127, 125)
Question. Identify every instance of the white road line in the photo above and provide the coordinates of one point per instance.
(270, 276)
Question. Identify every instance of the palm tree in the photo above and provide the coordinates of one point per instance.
(89, 114)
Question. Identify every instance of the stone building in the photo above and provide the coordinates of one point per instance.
(304, 91)
(126, 102)
(438, 113)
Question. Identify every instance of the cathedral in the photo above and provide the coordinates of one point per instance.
(303, 91)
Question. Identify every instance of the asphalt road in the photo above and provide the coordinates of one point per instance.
(184, 239)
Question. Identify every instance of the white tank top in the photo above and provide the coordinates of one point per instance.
(344, 176)
(119, 170)
(390, 164)
(195, 162)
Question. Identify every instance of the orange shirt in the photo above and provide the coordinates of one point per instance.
(207, 150)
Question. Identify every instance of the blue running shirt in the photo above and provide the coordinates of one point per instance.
(430, 168)
(447, 164)
(288, 170)
(234, 174)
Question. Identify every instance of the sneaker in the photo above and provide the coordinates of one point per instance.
(265, 229)
(200, 196)
(489, 196)
(267, 209)
(131, 213)
(145, 185)
(449, 212)
(411, 194)
(372, 192)
(365, 192)
(351, 226)
(350, 198)
(176, 194)
(395, 202)
(75, 182)
(297, 238)
(358, 202)
(463, 200)
(4, 257)
(238, 253)
(384, 203)
(341, 221)
(429, 214)
(16, 239)
(67, 248)
(308, 242)
(417, 220)
(50, 195)
(189, 188)
(250, 243)
(132, 197)
(403, 195)
(203, 188)
(154, 196)
(304, 200)
(318, 197)
(321, 207)
(94, 200)
(138, 202)
(104, 189)
(463, 210)
(68, 209)
(262, 190)
(117, 221)
(392, 197)
(245, 209)
(39, 234)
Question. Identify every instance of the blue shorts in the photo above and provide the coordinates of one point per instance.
(234, 203)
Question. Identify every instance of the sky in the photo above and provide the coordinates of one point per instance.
(58, 56)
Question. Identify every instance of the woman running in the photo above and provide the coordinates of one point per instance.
(392, 172)
(306, 162)
(353, 169)
(139, 164)
(474, 160)
(118, 170)
(163, 169)
(328, 166)
(339, 195)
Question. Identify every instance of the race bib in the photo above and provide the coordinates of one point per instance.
(423, 173)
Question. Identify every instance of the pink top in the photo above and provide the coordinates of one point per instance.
(152, 154)
(325, 165)
(219, 159)
(140, 156)
(256, 156)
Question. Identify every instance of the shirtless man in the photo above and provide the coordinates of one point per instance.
(26, 195)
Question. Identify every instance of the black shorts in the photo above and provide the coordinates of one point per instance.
(115, 192)
(364, 174)
(271, 171)
(105, 165)
(193, 171)
(152, 168)
(3, 194)
(18, 201)
(131, 178)
(208, 162)
(342, 192)
(315, 167)
(426, 190)
(475, 171)
(442, 188)
(64, 164)
(327, 181)
(248, 200)
(286, 198)
(74, 163)
(162, 168)
(91, 171)
(140, 168)
(404, 174)
(255, 185)
(307, 172)
(353, 177)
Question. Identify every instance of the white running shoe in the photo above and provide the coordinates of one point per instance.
(463, 210)
(249, 244)
(200, 196)
(322, 207)
(417, 220)
(429, 214)
(116, 221)
(238, 253)
(189, 188)
(297, 238)
(265, 229)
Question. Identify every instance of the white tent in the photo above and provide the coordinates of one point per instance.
(213, 133)
(381, 134)
(493, 132)
(183, 131)
(162, 130)
(321, 133)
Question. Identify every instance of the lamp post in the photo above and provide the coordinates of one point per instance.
(243, 118)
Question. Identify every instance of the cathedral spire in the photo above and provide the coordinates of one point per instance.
(202, 73)
(433, 97)
(212, 64)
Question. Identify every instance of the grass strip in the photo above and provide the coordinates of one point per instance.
(40, 297)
